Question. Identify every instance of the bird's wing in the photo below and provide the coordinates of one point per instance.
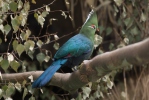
(74, 47)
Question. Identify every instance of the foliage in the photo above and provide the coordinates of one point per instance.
(126, 22)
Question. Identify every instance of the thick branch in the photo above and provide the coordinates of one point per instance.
(95, 68)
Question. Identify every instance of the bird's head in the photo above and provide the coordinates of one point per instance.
(90, 26)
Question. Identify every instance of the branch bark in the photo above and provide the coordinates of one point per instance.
(91, 70)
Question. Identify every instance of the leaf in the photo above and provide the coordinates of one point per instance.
(40, 57)
(33, 1)
(101, 29)
(24, 83)
(27, 34)
(97, 40)
(47, 58)
(108, 31)
(26, 6)
(14, 65)
(5, 6)
(56, 46)
(13, 6)
(8, 98)
(5, 64)
(10, 57)
(10, 90)
(29, 45)
(143, 17)
(86, 92)
(47, 8)
(118, 2)
(2, 28)
(56, 37)
(24, 93)
(20, 48)
(39, 43)
(15, 44)
(20, 4)
(30, 53)
(18, 86)
(32, 98)
(41, 20)
(134, 31)
(45, 13)
(128, 22)
(15, 22)
(7, 29)
(31, 78)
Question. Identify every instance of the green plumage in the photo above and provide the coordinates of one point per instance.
(74, 51)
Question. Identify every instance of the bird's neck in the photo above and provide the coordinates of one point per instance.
(89, 35)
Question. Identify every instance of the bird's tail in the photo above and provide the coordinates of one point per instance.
(45, 77)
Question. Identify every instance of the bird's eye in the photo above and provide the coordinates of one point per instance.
(92, 26)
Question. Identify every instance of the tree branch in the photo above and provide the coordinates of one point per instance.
(91, 70)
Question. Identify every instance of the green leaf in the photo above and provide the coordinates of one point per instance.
(47, 58)
(32, 98)
(30, 53)
(15, 22)
(108, 30)
(7, 29)
(56, 37)
(5, 6)
(27, 34)
(118, 2)
(1, 93)
(14, 65)
(134, 31)
(15, 44)
(24, 83)
(36, 16)
(10, 57)
(2, 28)
(56, 46)
(45, 13)
(101, 29)
(40, 57)
(20, 4)
(4, 87)
(20, 48)
(33, 1)
(39, 43)
(41, 20)
(10, 90)
(47, 8)
(29, 45)
(5, 64)
(128, 22)
(97, 40)
(86, 92)
(26, 6)
(13, 6)
(24, 93)
(18, 86)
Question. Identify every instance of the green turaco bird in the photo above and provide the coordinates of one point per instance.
(73, 52)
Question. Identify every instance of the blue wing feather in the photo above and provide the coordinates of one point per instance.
(75, 46)
(45, 77)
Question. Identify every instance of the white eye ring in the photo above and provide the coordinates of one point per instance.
(92, 26)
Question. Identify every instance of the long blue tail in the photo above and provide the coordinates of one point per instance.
(45, 77)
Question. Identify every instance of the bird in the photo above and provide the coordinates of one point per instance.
(73, 52)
